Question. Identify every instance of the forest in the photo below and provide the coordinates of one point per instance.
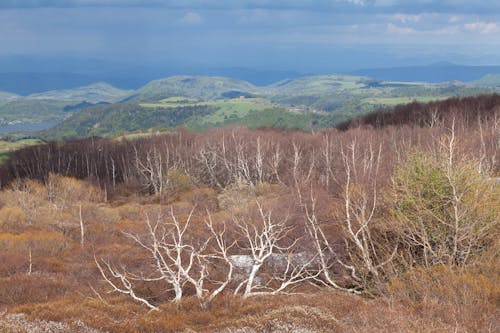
(388, 223)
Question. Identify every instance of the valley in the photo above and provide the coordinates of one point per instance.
(199, 103)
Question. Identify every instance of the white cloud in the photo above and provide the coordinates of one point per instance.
(455, 19)
(404, 18)
(192, 18)
(392, 28)
(482, 27)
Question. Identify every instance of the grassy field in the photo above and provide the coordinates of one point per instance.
(321, 84)
(226, 109)
(392, 101)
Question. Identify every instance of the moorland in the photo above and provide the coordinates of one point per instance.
(388, 222)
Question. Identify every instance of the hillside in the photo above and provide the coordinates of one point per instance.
(344, 97)
(322, 100)
(6, 97)
(94, 93)
(492, 80)
(435, 73)
(317, 85)
(372, 230)
(18, 113)
(436, 113)
(29, 111)
(202, 87)
(25, 83)
(177, 112)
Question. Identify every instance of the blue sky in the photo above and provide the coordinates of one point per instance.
(300, 35)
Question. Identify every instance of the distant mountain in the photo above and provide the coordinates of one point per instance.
(28, 83)
(491, 80)
(94, 93)
(254, 76)
(7, 95)
(317, 85)
(434, 73)
(202, 87)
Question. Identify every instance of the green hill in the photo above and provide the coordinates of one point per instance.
(23, 110)
(201, 87)
(201, 102)
(180, 112)
(56, 105)
(94, 93)
(317, 85)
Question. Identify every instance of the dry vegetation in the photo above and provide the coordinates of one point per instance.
(393, 229)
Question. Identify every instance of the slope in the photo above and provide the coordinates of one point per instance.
(94, 93)
(201, 87)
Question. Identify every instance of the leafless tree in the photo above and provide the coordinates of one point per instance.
(175, 260)
(265, 242)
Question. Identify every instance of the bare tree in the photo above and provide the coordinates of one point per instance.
(265, 243)
(176, 260)
(445, 205)
(356, 217)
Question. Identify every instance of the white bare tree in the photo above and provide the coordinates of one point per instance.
(268, 242)
(175, 260)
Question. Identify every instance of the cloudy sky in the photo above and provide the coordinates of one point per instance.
(300, 35)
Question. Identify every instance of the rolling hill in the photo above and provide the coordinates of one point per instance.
(52, 107)
(317, 85)
(172, 113)
(201, 102)
(491, 80)
(434, 73)
(202, 87)
(94, 93)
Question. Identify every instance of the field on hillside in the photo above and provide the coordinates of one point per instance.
(227, 108)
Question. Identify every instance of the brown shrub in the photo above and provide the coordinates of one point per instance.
(12, 219)
(34, 288)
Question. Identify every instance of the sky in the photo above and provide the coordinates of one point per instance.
(308, 36)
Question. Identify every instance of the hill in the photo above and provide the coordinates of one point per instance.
(391, 229)
(29, 111)
(466, 109)
(180, 112)
(434, 73)
(321, 100)
(202, 87)
(316, 85)
(25, 83)
(94, 93)
(344, 97)
(6, 97)
(492, 80)
(42, 110)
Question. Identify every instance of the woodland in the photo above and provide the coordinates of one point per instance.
(387, 223)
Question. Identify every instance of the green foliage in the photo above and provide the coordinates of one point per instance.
(448, 210)
(110, 119)
(178, 180)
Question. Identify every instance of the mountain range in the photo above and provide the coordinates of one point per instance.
(26, 75)
(435, 73)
